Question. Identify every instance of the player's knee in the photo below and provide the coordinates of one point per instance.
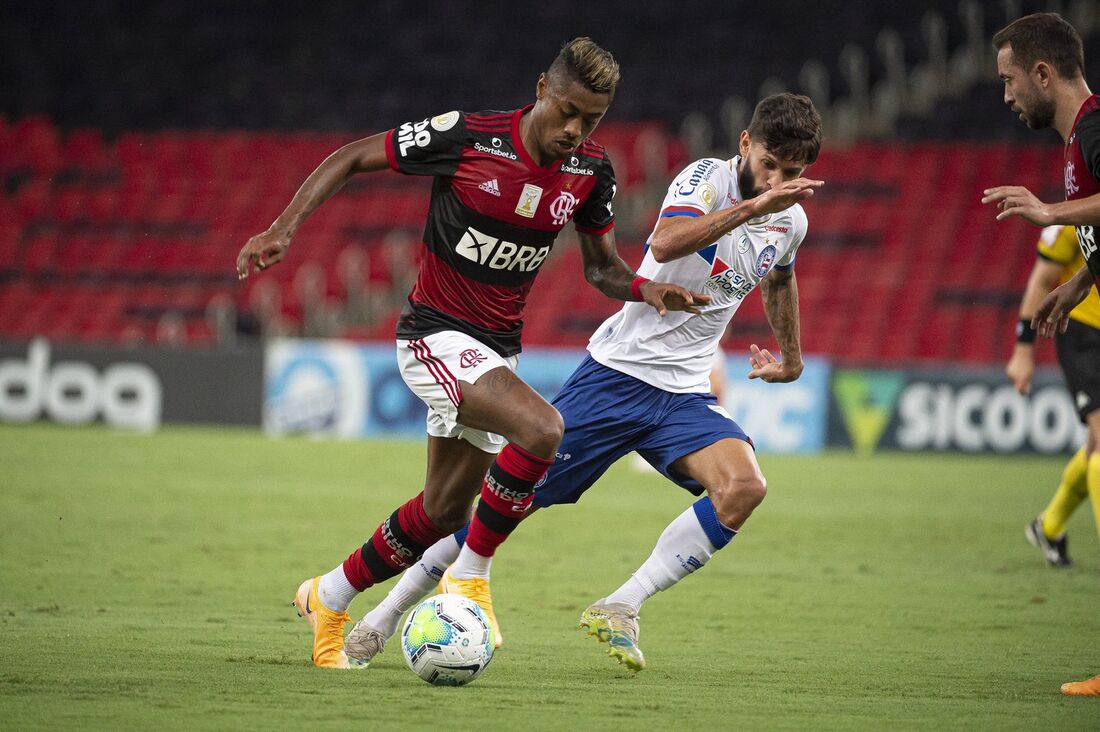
(542, 433)
(738, 497)
(753, 490)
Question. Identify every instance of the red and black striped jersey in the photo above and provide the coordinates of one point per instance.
(1082, 173)
(492, 220)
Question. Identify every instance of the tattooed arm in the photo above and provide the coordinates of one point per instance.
(780, 292)
(679, 236)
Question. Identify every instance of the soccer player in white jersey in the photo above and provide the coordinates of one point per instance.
(725, 227)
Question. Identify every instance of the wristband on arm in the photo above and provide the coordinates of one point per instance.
(636, 288)
(1024, 332)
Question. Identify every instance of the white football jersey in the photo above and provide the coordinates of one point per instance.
(674, 352)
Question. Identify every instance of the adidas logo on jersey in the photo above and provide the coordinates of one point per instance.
(490, 186)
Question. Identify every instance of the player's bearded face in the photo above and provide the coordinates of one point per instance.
(1023, 94)
(1036, 110)
(746, 180)
(760, 170)
(565, 113)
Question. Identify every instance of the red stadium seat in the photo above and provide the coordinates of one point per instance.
(902, 263)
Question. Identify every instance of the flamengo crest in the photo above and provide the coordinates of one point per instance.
(562, 207)
(471, 357)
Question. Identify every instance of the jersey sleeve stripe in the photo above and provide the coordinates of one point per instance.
(784, 267)
(390, 157)
(594, 232)
(681, 211)
(488, 118)
(593, 150)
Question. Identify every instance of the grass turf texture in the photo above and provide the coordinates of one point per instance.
(147, 582)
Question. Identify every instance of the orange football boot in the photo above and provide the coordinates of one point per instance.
(328, 626)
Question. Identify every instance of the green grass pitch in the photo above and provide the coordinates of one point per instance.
(147, 580)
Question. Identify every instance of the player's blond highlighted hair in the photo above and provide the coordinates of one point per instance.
(583, 60)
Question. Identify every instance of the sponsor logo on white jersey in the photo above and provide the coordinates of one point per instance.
(497, 253)
(724, 278)
(491, 186)
(703, 171)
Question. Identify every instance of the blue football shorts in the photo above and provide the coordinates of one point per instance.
(609, 414)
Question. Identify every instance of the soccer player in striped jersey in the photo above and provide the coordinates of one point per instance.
(1041, 60)
(505, 184)
(725, 227)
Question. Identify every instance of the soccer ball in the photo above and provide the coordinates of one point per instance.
(447, 640)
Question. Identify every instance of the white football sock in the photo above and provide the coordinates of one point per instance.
(470, 564)
(416, 581)
(682, 548)
(334, 590)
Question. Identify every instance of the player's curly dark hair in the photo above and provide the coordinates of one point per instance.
(789, 126)
(589, 64)
(1044, 37)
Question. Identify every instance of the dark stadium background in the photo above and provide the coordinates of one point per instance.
(142, 143)
(162, 493)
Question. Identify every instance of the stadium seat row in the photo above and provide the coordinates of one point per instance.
(106, 239)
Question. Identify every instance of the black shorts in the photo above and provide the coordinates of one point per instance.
(1079, 356)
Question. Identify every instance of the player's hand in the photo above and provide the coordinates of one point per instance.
(664, 296)
(784, 195)
(767, 367)
(1053, 312)
(1021, 367)
(263, 250)
(1018, 201)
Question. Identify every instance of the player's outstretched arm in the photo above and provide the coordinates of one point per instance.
(269, 248)
(679, 236)
(607, 272)
(1019, 201)
(1053, 312)
(780, 292)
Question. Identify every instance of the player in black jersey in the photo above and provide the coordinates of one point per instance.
(1041, 60)
(505, 184)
